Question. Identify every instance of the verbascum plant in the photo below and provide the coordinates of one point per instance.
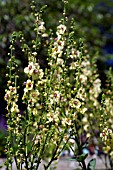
(106, 125)
(55, 99)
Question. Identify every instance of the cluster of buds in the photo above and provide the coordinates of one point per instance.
(40, 28)
(58, 46)
(11, 97)
(107, 136)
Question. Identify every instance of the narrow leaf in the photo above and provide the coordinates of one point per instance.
(91, 164)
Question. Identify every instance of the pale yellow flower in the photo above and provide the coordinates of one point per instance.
(29, 85)
(14, 107)
(29, 69)
(61, 29)
(73, 65)
(83, 78)
(75, 103)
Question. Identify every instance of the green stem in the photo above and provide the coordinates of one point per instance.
(83, 165)
(54, 154)
(25, 143)
(43, 148)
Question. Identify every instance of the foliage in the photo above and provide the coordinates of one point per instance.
(2, 143)
(91, 164)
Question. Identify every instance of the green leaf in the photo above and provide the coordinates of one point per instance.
(81, 157)
(91, 164)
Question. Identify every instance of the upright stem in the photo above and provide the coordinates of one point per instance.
(80, 152)
(42, 149)
(54, 154)
(25, 143)
(83, 165)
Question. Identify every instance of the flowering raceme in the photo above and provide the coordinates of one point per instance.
(106, 111)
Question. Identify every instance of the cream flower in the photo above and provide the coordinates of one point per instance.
(85, 64)
(75, 103)
(14, 107)
(12, 90)
(81, 94)
(87, 71)
(59, 61)
(83, 110)
(35, 111)
(73, 65)
(85, 120)
(34, 96)
(30, 68)
(66, 121)
(61, 29)
(52, 116)
(74, 54)
(55, 97)
(29, 85)
(7, 96)
(41, 28)
(83, 78)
